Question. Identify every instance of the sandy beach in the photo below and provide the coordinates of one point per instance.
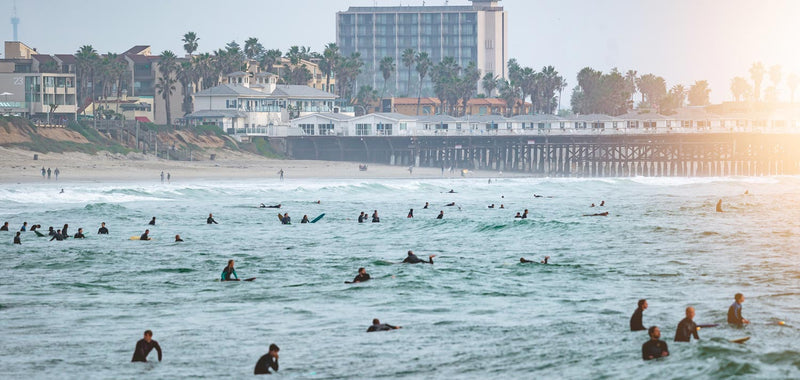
(20, 167)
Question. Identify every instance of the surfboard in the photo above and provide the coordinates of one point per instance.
(249, 279)
(708, 325)
(740, 340)
(318, 218)
(139, 238)
(38, 234)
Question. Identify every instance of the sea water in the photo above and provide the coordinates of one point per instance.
(75, 309)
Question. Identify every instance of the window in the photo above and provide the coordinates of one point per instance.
(363, 129)
(308, 129)
(561, 125)
(403, 126)
(598, 125)
(442, 126)
(325, 129)
(383, 129)
(686, 124)
(482, 110)
(614, 125)
(491, 125)
(230, 103)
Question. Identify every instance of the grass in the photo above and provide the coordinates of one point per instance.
(263, 147)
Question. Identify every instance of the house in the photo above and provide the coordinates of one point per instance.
(382, 124)
(539, 122)
(596, 122)
(323, 124)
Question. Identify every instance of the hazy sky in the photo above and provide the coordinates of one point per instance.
(681, 40)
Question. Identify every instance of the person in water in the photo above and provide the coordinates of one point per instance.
(687, 328)
(262, 206)
(441, 215)
(152, 221)
(524, 260)
(451, 191)
(35, 227)
(79, 234)
(51, 231)
(57, 236)
(655, 347)
(492, 205)
(735, 311)
(602, 203)
(518, 216)
(502, 206)
(375, 218)
(426, 205)
(102, 230)
(145, 235)
(24, 227)
(228, 272)
(362, 217)
(17, 239)
(378, 326)
(144, 346)
(636, 318)
(361, 276)
(64, 232)
(719, 205)
(305, 219)
(597, 214)
(410, 213)
(413, 259)
(286, 219)
(211, 220)
(270, 360)
(178, 239)
(4, 227)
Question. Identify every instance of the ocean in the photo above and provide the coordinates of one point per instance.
(75, 309)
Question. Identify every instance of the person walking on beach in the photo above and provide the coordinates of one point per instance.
(655, 347)
(687, 328)
(17, 239)
(270, 360)
(162, 176)
(636, 318)
(57, 172)
(144, 346)
(735, 311)
(48, 173)
(280, 173)
(169, 177)
(44, 172)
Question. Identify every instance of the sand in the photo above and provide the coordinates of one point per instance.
(20, 167)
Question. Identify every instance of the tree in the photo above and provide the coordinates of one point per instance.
(601, 93)
(87, 59)
(489, 83)
(740, 88)
(408, 58)
(757, 74)
(792, 81)
(366, 96)
(330, 58)
(166, 83)
(423, 65)
(445, 77)
(679, 92)
(509, 93)
(187, 75)
(631, 80)
(387, 68)
(190, 42)
(269, 59)
(253, 48)
(468, 84)
(699, 93)
(653, 88)
(297, 53)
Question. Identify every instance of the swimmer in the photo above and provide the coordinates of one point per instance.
(655, 347)
(451, 191)
(51, 231)
(102, 230)
(410, 213)
(144, 346)
(378, 326)
(211, 220)
(441, 215)
(525, 214)
(35, 227)
(228, 272)
(178, 239)
(518, 216)
(538, 196)
(375, 218)
(592, 205)
(152, 221)
(270, 360)
(24, 227)
(687, 328)
(145, 235)
(413, 259)
(17, 239)
(360, 277)
(4, 227)
(62, 191)
(602, 203)
(57, 236)
(64, 232)
(636, 318)
(79, 235)
(502, 206)
(451, 204)
(735, 311)
(719, 205)
(492, 205)
(362, 217)
(426, 205)
(305, 219)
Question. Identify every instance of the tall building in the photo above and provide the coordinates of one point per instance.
(475, 33)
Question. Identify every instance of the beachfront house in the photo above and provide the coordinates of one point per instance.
(539, 123)
(323, 124)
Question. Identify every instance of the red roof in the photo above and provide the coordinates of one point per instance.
(143, 119)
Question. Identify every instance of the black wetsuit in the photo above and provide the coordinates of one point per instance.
(305, 220)
(152, 222)
(57, 236)
(17, 241)
(102, 231)
(264, 364)
(64, 232)
(413, 259)
(79, 235)
(375, 218)
(361, 218)
(361, 278)
(636, 320)
(286, 220)
(654, 348)
(381, 327)
(144, 236)
(441, 216)
(51, 232)
(211, 220)
(4, 227)
(686, 329)
(143, 349)
(227, 273)
(735, 314)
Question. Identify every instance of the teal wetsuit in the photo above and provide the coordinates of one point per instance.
(227, 273)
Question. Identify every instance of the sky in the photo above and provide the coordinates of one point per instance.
(680, 40)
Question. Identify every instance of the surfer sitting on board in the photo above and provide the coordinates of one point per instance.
(636, 318)
(413, 259)
(655, 347)
(735, 311)
(102, 230)
(305, 219)
(145, 235)
(360, 277)
(687, 328)
(152, 221)
(228, 272)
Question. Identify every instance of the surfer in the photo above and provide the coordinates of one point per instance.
(602, 203)
(24, 227)
(375, 218)
(518, 216)
(361, 276)
(4, 227)
(57, 236)
(178, 239)
(362, 217)
(687, 328)
(597, 214)
(492, 205)
(211, 220)
(145, 235)
(102, 230)
(64, 232)
(273, 206)
(144, 346)
(719, 205)
(305, 219)
(524, 260)
(270, 360)
(502, 206)
(410, 213)
(655, 347)
(79, 234)
(426, 205)
(262, 206)
(592, 205)
(441, 215)
(51, 231)
(378, 326)
(286, 219)
(735, 311)
(451, 204)
(636, 318)
(17, 239)
(152, 221)
(413, 259)
(35, 227)
(451, 191)
(525, 214)
(228, 272)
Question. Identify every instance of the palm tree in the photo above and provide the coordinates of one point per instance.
(87, 59)
(679, 91)
(269, 59)
(252, 48)
(792, 81)
(489, 83)
(387, 68)
(186, 76)
(757, 74)
(297, 53)
(509, 94)
(423, 65)
(698, 93)
(468, 84)
(330, 57)
(740, 88)
(366, 96)
(408, 58)
(630, 81)
(166, 83)
(190, 42)
(165, 88)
